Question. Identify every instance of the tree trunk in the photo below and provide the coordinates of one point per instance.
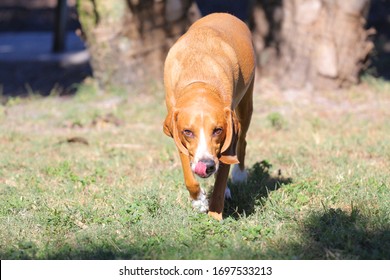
(315, 43)
(323, 43)
(128, 39)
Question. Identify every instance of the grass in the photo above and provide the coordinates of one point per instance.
(93, 177)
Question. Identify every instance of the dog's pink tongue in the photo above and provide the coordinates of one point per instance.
(200, 169)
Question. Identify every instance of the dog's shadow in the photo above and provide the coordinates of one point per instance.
(246, 196)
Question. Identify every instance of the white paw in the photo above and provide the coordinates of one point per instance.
(238, 175)
(201, 204)
(228, 194)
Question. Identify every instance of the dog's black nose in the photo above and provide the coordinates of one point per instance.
(210, 166)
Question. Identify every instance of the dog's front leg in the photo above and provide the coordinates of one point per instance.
(198, 195)
(218, 196)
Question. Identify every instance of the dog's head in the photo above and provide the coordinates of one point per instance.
(205, 131)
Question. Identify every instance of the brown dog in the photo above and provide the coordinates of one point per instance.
(208, 77)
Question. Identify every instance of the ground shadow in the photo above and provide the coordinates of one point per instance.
(380, 57)
(23, 77)
(28, 250)
(247, 195)
(340, 234)
(43, 78)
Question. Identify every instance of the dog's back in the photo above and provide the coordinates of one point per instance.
(218, 50)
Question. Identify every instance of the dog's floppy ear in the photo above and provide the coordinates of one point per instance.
(228, 151)
(167, 127)
(226, 159)
(170, 128)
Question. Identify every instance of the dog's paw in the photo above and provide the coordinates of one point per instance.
(238, 175)
(228, 194)
(215, 215)
(201, 204)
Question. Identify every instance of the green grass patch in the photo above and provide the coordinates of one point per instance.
(94, 177)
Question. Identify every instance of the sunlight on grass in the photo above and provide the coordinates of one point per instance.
(93, 177)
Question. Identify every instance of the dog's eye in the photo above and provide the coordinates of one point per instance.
(188, 133)
(217, 131)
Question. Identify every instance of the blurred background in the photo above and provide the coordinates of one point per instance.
(28, 61)
(315, 44)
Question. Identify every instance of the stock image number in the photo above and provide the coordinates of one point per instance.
(232, 270)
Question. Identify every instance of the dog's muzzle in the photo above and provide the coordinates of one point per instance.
(205, 168)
